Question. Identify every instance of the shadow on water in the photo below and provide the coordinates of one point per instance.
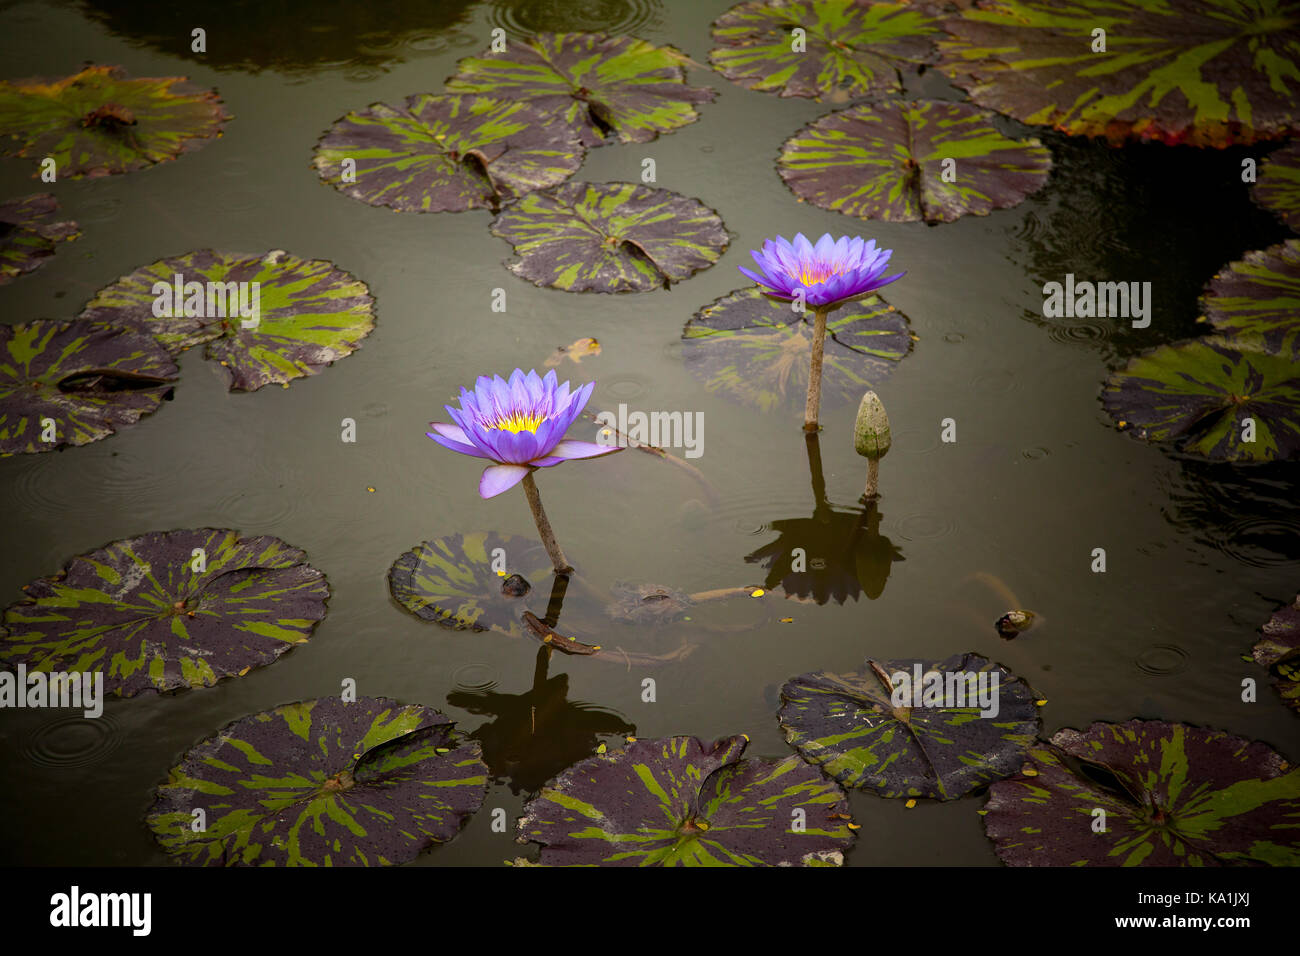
(1125, 215)
(535, 735)
(833, 555)
(252, 35)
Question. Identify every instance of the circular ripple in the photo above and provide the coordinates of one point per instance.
(475, 676)
(998, 381)
(1034, 454)
(524, 19)
(1261, 542)
(955, 338)
(624, 387)
(100, 209)
(363, 74)
(1162, 660)
(259, 506)
(922, 526)
(706, 149)
(1081, 333)
(423, 42)
(72, 740)
(375, 410)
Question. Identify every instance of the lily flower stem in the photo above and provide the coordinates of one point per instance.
(812, 408)
(544, 526)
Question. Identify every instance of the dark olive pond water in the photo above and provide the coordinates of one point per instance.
(1198, 555)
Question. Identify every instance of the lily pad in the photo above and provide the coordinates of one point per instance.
(847, 725)
(756, 350)
(26, 241)
(1173, 795)
(308, 312)
(100, 121)
(1279, 651)
(610, 237)
(1206, 394)
(446, 153)
(681, 802)
(71, 383)
(321, 783)
(906, 161)
(1278, 186)
(850, 50)
(607, 89)
(1175, 72)
(168, 610)
(451, 581)
(1260, 295)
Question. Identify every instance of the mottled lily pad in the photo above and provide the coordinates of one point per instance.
(1278, 186)
(907, 161)
(452, 581)
(1173, 795)
(309, 313)
(26, 241)
(1207, 394)
(849, 50)
(167, 610)
(71, 383)
(1181, 71)
(446, 153)
(1260, 295)
(1279, 651)
(100, 121)
(756, 350)
(321, 783)
(610, 237)
(943, 749)
(606, 89)
(681, 802)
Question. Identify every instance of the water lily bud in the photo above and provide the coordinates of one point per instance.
(871, 431)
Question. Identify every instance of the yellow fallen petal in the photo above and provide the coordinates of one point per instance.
(910, 804)
(787, 620)
(757, 592)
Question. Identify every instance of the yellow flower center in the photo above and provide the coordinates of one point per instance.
(518, 422)
(817, 272)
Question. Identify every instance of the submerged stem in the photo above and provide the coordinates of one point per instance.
(544, 526)
(812, 408)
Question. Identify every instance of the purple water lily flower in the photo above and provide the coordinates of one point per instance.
(828, 273)
(518, 425)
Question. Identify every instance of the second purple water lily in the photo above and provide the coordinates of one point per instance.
(519, 425)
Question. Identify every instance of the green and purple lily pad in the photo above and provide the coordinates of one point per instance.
(167, 610)
(1278, 186)
(464, 581)
(446, 153)
(1232, 399)
(607, 89)
(756, 351)
(904, 161)
(1181, 71)
(1279, 651)
(306, 313)
(1171, 795)
(610, 237)
(679, 801)
(322, 782)
(848, 50)
(27, 241)
(1259, 296)
(937, 745)
(100, 121)
(72, 383)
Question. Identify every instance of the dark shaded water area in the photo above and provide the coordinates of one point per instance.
(1198, 555)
